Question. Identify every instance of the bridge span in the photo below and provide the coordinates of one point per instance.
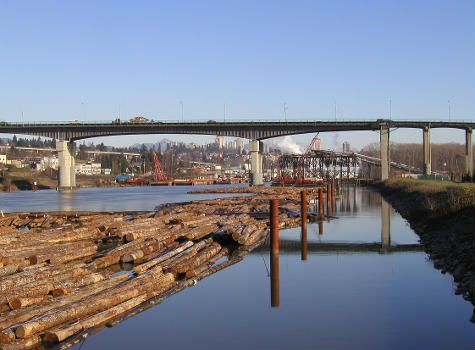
(255, 131)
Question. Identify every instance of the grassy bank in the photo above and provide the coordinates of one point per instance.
(436, 198)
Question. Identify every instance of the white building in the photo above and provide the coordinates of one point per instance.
(3, 159)
(88, 168)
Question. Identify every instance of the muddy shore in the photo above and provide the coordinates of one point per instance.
(443, 216)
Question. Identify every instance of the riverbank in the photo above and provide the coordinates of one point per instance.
(442, 214)
(64, 275)
(23, 179)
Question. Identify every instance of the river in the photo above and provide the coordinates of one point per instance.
(346, 294)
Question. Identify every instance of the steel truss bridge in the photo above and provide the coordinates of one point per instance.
(331, 165)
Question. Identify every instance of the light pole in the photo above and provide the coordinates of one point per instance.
(285, 112)
(449, 110)
(85, 111)
(390, 109)
(182, 118)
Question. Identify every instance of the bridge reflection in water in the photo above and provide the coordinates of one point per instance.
(347, 204)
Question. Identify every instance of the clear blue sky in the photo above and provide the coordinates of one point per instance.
(63, 60)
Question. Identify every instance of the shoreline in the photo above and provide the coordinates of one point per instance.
(443, 217)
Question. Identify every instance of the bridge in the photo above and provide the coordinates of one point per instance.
(66, 132)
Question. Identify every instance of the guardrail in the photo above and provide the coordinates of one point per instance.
(228, 121)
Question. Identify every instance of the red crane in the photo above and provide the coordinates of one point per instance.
(298, 171)
(158, 173)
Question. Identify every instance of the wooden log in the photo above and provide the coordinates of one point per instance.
(202, 231)
(22, 344)
(248, 230)
(194, 271)
(198, 259)
(151, 256)
(195, 222)
(8, 270)
(255, 236)
(22, 302)
(91, 305)
(60, 291)
(29, 276)
(62, 255)
(21, 315)
(143, 267)
(7, 336)
(185, 255)
(139, 253)
(59, 334)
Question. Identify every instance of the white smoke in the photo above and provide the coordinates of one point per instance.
(287, 145)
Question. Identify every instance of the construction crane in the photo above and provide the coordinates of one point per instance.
(299, 170)
(158, 173)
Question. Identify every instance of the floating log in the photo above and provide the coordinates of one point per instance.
(201, 232)
(22, 302)
(93, 304)
(194, 271)
(143, 267)
(59, 334)
(197, 259)
(22, 315)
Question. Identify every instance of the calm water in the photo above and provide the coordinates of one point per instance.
(351, 298)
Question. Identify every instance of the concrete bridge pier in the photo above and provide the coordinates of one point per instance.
(255, 147)
(468, 153)
(66, 175)
(384, 147)
(426, 150)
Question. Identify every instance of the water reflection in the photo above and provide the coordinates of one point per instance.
(385, 226)
(373, 313)
(274, 280)
(303, 242)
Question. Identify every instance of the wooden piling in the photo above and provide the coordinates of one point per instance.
(303, 214)
(320, 201)
(274, 226)
(274, 252)
(274, 281)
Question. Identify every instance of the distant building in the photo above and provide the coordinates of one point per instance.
(316, 145)
(346, 147)
(239, 145)
(220, 141)
(3, 159)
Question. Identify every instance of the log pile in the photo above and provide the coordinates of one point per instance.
(56, 269)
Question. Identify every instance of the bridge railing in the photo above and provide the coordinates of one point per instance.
(217, 121)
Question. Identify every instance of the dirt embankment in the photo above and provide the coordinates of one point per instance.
(442, 214)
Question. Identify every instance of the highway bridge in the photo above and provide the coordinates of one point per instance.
(66, 132)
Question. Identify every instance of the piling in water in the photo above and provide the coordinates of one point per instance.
(274, 252)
